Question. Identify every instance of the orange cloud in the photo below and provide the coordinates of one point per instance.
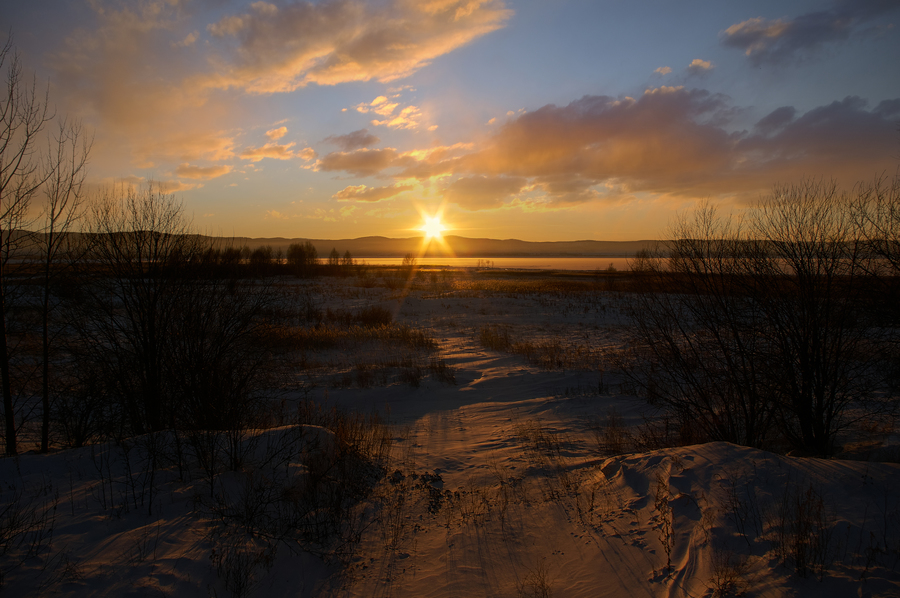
(698, 66)
(276, 134)
(322, 214)
(670, 141)
(269, 150)
(189, 40)
(202, 172)
(483, 192)
(379, 105)
(140, 79)
(176, 186)
(372, 194)
(362, 162)
(407, 119)
(419, 164)
(172, 145)
(279, 49)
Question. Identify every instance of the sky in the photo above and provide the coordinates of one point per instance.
(540, 120)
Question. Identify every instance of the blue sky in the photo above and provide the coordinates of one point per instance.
(537, 120)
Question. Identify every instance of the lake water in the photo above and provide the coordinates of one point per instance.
(511, 263)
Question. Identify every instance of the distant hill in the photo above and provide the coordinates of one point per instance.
(458, 246)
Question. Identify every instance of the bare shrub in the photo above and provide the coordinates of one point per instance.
(744, 509)
(370, 317)
(537, 582)
(665, 519)
(26, 526)
(412, 375)
(495, 337)
(759, 328)
(302, 491)
(236, 562)
(441, 371)
(546, 449)
(666, 431)
(82, 407)
(612, 435)
(728, 574)
(334, 337)
(803, 533)
(549, 354)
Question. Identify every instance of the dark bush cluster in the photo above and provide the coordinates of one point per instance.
(779, 329)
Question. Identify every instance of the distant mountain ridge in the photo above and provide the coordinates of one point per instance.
(458, 247)
(453, 246)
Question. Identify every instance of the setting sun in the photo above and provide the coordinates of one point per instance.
(433, 227)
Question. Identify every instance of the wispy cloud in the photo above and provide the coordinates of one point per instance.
(276, 134)
(699, 66)
(277, 152)
(351, 141)
(202, 172)
(483, 192)
(176, 186)
(280, 48)
(418, 164)
(361, 162)
(407, 119)
(150, 82)
(168, 145)
(363, 193)
(189, 40)
(380, 105)
(777, 40)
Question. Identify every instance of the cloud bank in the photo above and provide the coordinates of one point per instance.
(670, 141)
(154, 85)
(774, 41)
(271, 48)
(355, 140)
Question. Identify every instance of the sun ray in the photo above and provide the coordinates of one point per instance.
(433, 228)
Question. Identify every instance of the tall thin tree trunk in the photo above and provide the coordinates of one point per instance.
(9, 416)
(45, 366)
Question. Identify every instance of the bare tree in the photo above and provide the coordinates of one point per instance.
(334, 262)
(302, 258)
(65, 170)
(696, 350)
(749, 325)
(23, 115)
(876, 212)
(139, 240)
(215, 366)
(811, 282)
(174, 336)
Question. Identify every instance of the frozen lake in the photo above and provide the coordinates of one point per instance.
(513, 263)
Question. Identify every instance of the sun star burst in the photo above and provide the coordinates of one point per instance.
(433, 227)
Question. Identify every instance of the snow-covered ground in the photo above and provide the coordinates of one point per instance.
(498, 485)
